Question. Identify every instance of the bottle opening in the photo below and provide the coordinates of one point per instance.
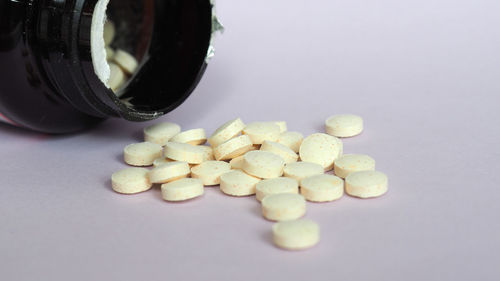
(150, 54)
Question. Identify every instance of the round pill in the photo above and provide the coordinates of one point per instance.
(322, 188)
(160, 161)
(321, 149)
(345, 125)
(262, 131)
(183, 189)
(350, 163)
(131, 180)
(366, 184)
(276, 186)
(226, 132)
(109, 32)
(263, 164)
(283, 206)
(208, 152)
(238, 183)
(185, 152)
(116, 77)
(233, 148)
(282, 125)
(169, 172)
(291, 139)
(126, 61)
(141, 154)
(296, 234)
(237, 163)
(110, 53)
(210, 171)
(280, 149)
(194, 137)
(302, 170)
(161, 133)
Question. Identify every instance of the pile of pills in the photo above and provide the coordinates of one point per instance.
(122, 65)
(282, 169)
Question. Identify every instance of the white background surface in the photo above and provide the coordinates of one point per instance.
(423, 74)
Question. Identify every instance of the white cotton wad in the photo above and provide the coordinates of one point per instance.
(97, 44)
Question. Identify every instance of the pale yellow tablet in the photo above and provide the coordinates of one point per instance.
(126, 61)
(162, 160)
(169, 172)
(131, 180)
(322, 188)
(283, 206)
(141, 154)
(302, 170)
(116, 77)
(350, 163)
(321, 149)
(210, 171)
(276, 186)
(280, 149)
(181, 190)
(226, 132)
(291, 139)
(161, 133)
(233, 148)
(238, 183)
(262, 131)
(366, 184)
(344, 125)
(109, 32)
(192, 154)
(237, 163)
(296, 234)
(209, 152)
(263, 164)
(194, 137)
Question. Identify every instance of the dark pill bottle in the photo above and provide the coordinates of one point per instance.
(47, 79)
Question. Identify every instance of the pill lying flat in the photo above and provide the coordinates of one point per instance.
(161, 133)
(169, 172)
(296, 234)
(116, 77)
(194, 137)
(185, 152)
(226, 132)
(183, 189)
(237, 163)
(262, 131)
(238, 183)
(208, 152)
(321, 149)
(276, 186)
(366, 184)
(283, 206)
(280, 149)
(291, 139)
(350, 163)
(210, 171)
(141, 154)
(322, 188)
(233, 148)
(131, 180)
(344, 125)
(302, 170)
(160, 161)
(263, 164)
(126, 61)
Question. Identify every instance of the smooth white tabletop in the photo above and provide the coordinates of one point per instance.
(423, 74)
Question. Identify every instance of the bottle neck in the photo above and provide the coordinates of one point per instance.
(172, 65)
